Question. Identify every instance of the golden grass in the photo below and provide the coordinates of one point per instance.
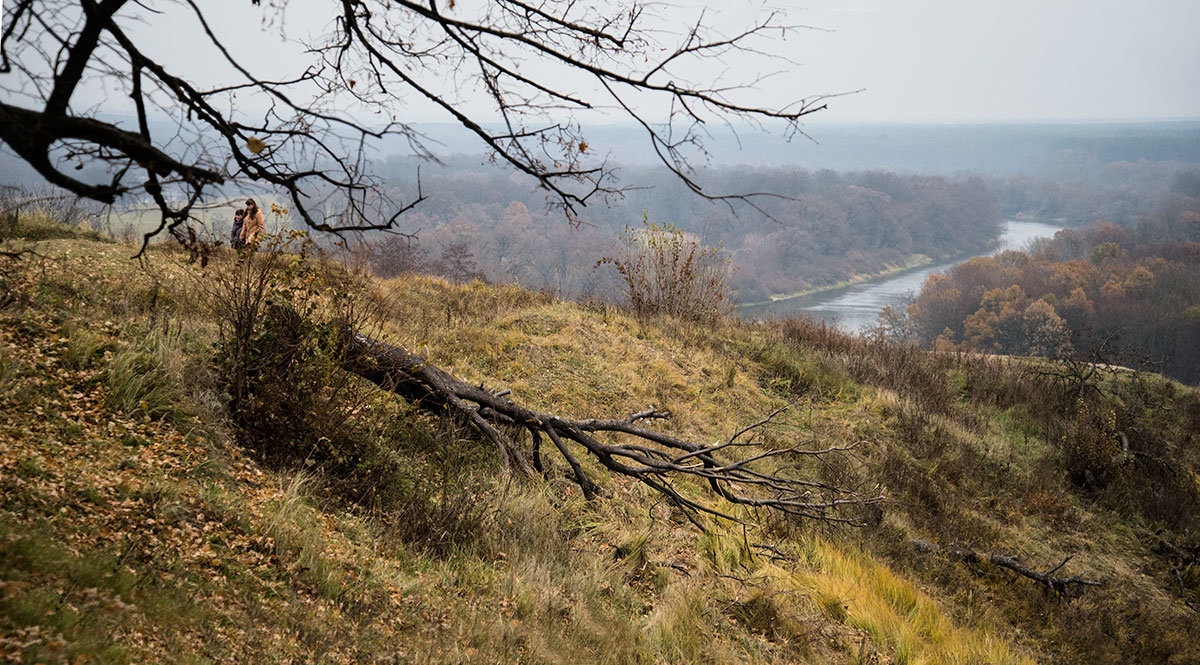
(896, 614)
(551, 578)
(558, 356)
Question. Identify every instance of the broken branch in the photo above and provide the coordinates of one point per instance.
(652, 457)
(1068, 587)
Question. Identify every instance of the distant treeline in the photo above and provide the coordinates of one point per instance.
(486, 222)
(1119, 191)
(1135, 286)
(1057, 151)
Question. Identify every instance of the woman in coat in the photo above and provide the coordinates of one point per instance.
(253, 223)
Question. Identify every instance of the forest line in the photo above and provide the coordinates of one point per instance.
(1122, 293)
(826, 228)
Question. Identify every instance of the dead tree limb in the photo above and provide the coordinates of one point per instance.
(1068, 587)
(764, 479)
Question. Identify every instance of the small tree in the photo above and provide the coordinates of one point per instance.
(893, 324)
(457, 263)
(397, 255)
(668, 271)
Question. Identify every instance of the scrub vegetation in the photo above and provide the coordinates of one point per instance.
(169, 496)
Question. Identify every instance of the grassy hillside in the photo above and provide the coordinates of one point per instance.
(141, 521)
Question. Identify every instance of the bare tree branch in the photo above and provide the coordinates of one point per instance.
(1067, 587)
(378, 55)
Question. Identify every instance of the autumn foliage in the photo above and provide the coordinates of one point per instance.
(1141, 284)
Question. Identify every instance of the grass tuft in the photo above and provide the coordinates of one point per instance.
(146, 377)
(897, 615)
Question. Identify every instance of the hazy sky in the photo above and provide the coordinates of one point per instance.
(969, 60)
(916, 60)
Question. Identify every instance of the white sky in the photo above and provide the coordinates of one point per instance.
(972, 61)
(925, 61)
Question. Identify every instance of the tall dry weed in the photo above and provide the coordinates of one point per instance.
(669, 272)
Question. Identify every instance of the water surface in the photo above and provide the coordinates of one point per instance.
(855, 308)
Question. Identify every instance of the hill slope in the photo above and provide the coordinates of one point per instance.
(141, 522)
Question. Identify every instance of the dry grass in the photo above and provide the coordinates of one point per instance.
(266, 565)
(556, 355)
(898, 616)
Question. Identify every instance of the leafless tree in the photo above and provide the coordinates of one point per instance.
(539, 68)
(500, 69)
(1081, 368)
(457, 262)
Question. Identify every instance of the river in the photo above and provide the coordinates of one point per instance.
(854, 308)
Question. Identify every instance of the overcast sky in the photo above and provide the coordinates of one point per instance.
(971, 60)
(922, 61)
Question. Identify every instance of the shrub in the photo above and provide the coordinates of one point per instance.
(283, 312)
(1091, 447)
(667, 271)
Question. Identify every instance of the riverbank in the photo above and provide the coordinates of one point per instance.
(855, 307)
(915, 261)
(1027, 216)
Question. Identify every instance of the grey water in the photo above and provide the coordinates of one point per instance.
(855, 308)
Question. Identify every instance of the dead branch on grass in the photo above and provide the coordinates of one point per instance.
(1067, 587)
(764, 478)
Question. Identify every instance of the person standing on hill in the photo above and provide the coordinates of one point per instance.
(253, 223)
(235, 234)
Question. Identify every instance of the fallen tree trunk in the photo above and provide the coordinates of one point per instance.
(1063, 586)
(649, 456)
